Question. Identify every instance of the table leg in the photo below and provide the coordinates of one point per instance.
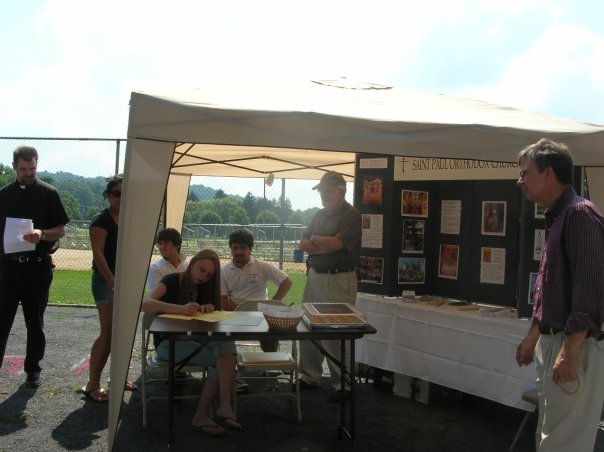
(345, 375)
(171, 393)
(350, 373)
(342, 363)
(352, 391)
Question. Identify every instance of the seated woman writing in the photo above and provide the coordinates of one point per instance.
(198, 290)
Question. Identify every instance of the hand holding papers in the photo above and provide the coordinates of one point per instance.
(14, 231)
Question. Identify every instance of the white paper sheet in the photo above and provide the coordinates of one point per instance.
(14, 230)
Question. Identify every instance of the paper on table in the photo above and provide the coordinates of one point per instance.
(14, 230)
(215, 316)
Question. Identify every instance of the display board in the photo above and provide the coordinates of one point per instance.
(472, 239)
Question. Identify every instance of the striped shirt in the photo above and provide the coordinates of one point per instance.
(569, 289)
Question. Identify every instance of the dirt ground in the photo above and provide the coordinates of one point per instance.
(55, 417)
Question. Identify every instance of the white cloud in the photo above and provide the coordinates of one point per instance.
(564, 66)
(91, 56)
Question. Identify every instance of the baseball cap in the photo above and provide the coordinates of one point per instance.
(330, 179)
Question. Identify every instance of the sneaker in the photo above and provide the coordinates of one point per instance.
(33, 380)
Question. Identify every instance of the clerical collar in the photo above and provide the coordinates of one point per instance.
(24, 186)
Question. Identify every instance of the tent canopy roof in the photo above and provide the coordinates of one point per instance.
(258, 161)
(284, 128)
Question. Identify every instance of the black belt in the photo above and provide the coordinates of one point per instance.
(548, 330)
(333, 271)
(26, 258)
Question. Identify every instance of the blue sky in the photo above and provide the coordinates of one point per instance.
(69, 66)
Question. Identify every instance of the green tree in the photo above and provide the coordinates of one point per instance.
(193, 212)
(72, 206)
(87, 191)
(288, 207)
(7, 175)
(268, 217)
(230, 210)
(46, 177)
(209, 217)
(250, 204)
(220, 194)
(295, 218)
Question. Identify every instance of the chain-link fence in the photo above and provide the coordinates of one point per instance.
(78, 167)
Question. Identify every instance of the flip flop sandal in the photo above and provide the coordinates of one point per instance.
(101, 397)
(209, 429)
(130, 386)
(228, 423)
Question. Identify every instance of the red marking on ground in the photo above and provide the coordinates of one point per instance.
(81, 367)
(13, 364)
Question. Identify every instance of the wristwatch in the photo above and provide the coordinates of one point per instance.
(43, 236)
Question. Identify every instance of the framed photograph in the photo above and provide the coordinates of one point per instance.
(492, 265)
(493, 217)
(450, 216)
(411, 270)
(539, 211)
(372, 189)
(372, 230)
(371, 270)
(414, 203)
(413, 235)
(448, 261)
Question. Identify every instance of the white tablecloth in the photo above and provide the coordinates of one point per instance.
(452, 348)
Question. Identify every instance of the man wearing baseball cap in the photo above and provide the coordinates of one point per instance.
(333, 243)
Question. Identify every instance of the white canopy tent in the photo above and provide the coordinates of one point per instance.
(297, 130)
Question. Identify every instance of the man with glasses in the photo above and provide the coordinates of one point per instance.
(25, 276)
(565, 335)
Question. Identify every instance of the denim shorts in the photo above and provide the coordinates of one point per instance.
(100, 292)
(206, 357)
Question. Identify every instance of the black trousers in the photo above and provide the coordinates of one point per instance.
(29, 284)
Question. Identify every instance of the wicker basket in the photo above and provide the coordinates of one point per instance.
(282, 323)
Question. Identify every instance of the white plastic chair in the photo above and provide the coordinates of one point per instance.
(156, 371)
(259, 364)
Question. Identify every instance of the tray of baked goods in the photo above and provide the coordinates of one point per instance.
(332, 315)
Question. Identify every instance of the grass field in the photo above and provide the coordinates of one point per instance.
(73, 287)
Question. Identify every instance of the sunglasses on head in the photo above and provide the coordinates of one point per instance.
(116, 193)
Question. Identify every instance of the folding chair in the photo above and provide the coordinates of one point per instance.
(156, 371)
(260, 365)
(530, 396)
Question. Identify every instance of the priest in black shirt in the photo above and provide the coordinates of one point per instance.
(25, 276)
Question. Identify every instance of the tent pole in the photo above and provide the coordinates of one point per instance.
(283, 212)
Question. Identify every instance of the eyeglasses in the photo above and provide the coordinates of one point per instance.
(116, 193)
(523, 173)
